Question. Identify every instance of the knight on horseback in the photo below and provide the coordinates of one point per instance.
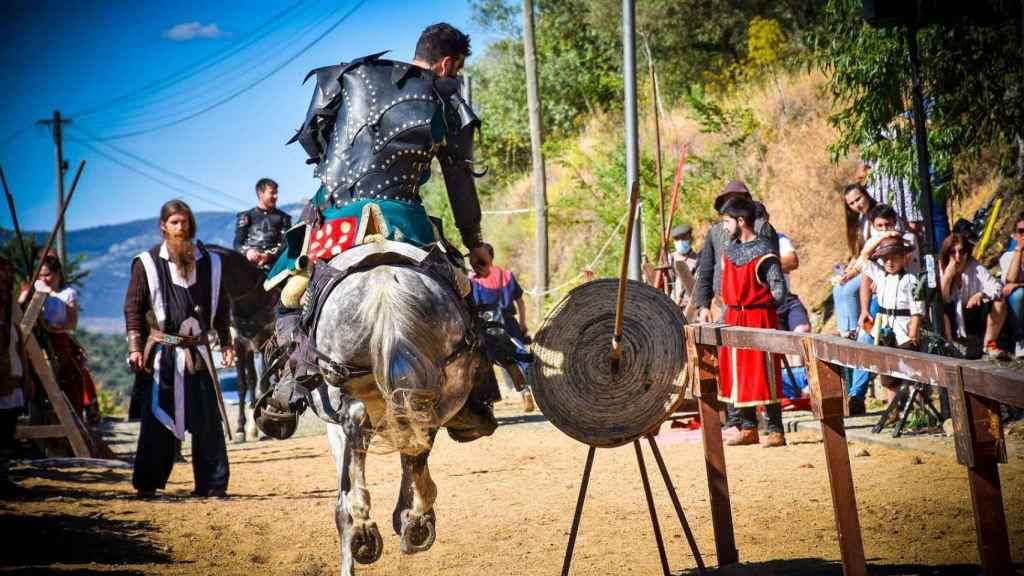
(260, 230)
(372, 129)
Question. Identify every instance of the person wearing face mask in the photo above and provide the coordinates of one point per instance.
(684, 264)
(709, 269)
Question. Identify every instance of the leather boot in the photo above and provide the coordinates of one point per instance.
(474, 421)
(775, 440)
(528, 405)
(747, 437)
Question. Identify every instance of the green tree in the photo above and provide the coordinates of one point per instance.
(74, 268)
(972, 81)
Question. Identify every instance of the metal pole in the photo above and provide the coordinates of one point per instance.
(540, 197)
(924, 176)
(571, 546)
(632, 140)
(58, 138)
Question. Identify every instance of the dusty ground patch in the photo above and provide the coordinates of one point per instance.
(504, 507)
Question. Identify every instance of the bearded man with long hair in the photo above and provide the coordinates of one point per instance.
(174, 301)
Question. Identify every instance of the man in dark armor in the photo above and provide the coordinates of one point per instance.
(260, 230)
(372, 129)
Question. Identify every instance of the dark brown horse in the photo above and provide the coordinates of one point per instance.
(252, 317)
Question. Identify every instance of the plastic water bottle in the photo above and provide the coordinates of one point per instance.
(929, 266)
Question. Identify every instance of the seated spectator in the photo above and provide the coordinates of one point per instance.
(793, 317)
(900, 308)
(846, 284)
(684, 260)
(1012, 264)
(971, 296)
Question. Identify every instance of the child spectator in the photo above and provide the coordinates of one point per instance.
(1012, 263)
(972, 297)
(899, 308)
(753, 287)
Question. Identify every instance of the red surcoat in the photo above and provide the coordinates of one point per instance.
(748, 377)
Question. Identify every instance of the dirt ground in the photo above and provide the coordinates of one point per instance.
(505, 505)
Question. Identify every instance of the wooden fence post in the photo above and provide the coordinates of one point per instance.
(704, 377)
(828, 402)
(980, 447)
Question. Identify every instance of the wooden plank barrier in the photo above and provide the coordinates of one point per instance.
(975, 389)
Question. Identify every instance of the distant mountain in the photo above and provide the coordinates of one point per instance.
(108, 253)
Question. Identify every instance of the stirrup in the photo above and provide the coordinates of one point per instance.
(273, 421)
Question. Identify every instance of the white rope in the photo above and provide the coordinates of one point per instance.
(535, 293)
(508, 211)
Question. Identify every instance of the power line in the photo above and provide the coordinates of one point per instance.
(157, 167)
(178, 103)
(181, 191)
(198, 66)
(245, 89)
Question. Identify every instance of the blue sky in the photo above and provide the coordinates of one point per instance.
(75, 55)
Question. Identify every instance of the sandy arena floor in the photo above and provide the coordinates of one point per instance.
(504, 507)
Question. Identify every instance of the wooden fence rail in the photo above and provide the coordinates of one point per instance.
(975, 390)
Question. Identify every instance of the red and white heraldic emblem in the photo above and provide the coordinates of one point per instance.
(332, 238)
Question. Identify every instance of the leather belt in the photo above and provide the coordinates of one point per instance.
(189, 343)
(905, 312)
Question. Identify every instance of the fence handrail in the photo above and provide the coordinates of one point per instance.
(979, 377)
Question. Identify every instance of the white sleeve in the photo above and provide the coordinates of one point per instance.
(1004, 263)
(873, 271)
(990, 285)
(785, 245)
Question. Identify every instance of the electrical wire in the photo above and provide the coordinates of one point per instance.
(157, 167)
(198, 66)
(183, 103)
(243, 90)
(152, 178)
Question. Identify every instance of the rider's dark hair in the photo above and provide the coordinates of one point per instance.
(740, 207)
(440, 40)
(265, 183)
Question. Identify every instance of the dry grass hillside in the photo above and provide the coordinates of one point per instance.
(786, 164)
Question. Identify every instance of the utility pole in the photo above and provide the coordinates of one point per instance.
(632, 138)
(540, 196)
(57, 122)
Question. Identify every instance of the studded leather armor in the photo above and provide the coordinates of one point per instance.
(375, 125)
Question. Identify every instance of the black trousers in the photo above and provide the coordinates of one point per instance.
(746, 418)
(158, 447)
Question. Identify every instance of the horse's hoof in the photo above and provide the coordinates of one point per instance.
(367, 544)
(418, 534)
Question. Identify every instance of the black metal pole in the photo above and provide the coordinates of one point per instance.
(26, 261)
(932, 266)
(924, 176)
(650, 508)
(579, 511)
(675, 503)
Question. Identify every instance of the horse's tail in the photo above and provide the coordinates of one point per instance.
(404, 349)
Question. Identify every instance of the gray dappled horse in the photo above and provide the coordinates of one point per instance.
(408, 330)
(252, 317)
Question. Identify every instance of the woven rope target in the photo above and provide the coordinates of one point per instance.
(572, 377)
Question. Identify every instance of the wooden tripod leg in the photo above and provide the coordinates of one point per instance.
(650, 508)
(675, 503)
(579, 511)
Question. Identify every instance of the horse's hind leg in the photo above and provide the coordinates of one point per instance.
(360, 540)
(414, 518)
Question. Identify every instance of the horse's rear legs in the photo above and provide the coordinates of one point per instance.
(414, 518)
(359, 537)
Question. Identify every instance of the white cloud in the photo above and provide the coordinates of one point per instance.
(191, 30)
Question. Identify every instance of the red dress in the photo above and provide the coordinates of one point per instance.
(748, 377)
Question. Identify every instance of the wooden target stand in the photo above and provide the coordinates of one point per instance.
(655, 525)
(70, 426)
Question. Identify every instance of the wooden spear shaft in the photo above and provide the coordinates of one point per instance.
(620, 301)
(26, 261)
(56, 227)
